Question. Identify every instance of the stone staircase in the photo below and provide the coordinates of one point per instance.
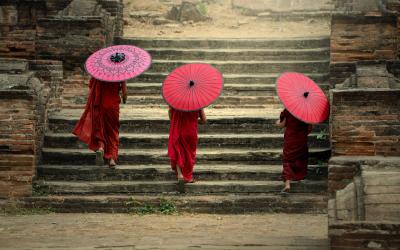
(239, 153)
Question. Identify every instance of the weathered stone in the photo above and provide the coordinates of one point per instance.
(358, 38)
(173, 14)
(142, 14)
(187, 11)
(255, 7)
(161, 21)
(81, 8)
(8, 15)
(13, 65)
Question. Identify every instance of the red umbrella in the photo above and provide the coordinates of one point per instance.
(118, 63)
(303, 98)
(192, 87)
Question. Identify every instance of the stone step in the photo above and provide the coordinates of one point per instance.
(157, 100)
(170, 187)
(237, 90)
(239, 54)
(164, 172)
(70, 104)
(221, 204)
(296, 15)
(247, 67)
(242, 78)
(189, 43)
(134, 120)
(138, 141)
(159, 156)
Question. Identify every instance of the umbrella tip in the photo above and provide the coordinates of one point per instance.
(117, 57)
(306, 94)
(191, 83)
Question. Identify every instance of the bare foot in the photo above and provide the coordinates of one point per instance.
(179, 173)
(286, 189)
(112, 164)
(99, 157)
(181, 180)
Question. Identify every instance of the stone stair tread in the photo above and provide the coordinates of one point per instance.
(163, 151)
(231, 75)
(234, 50)
(305, 38)
(45, 187)
(226, 85)
(211, 203)
(165, 136)
(239, 62)
(126, 40)
(129, 112)
(299, 197)
(230, 85)
(167, 168)
(157, 96)
(152, 184)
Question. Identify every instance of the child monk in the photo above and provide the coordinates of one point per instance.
(99, 123)
(182, 142)
(295, 148)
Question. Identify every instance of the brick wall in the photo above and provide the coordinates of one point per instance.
(365, 122)
(18, 27)
(27, 90)
(364, 235)
(51, 75)
(73, 44)
(358, 38)
(17, 143)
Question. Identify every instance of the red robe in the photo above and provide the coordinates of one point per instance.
(182, 141)
(295, 148)
(99, 123)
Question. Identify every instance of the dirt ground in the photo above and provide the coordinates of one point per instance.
(225, 22)
(184, 231)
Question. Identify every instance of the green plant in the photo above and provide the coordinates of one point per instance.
(322, 135)
(15, 209)
(146, 209)
(167, 207)
(202, 8)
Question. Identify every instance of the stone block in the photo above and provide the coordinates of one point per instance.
(8, 15)
(13, 65)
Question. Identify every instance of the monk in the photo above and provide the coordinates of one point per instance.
(99, 124)
(295, 148)
(182, 142)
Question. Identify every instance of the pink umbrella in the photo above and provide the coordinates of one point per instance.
(118, 63)
(303, 98)
(192, 87)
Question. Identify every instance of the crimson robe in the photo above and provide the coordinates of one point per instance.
(182, 142)
(99, 123)
(295, 148)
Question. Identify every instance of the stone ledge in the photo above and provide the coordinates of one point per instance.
(365, 160)
(13, 65)
(17, 94)
(360, 18)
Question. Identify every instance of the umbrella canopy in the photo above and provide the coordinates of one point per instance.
(118, 63)
(192, 87)
(303, 98)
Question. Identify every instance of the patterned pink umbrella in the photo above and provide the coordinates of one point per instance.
(192, 87)
(303, 98)
(118, 63)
